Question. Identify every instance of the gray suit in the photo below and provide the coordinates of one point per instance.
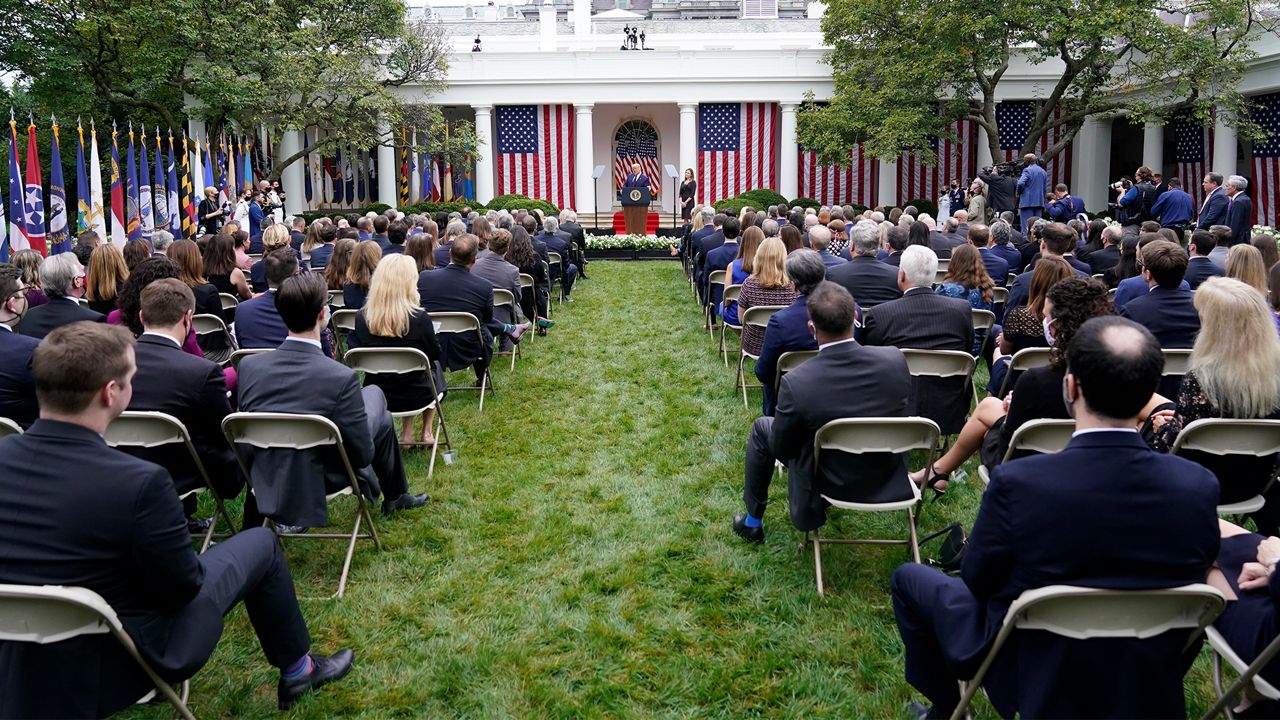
(298, 378)
(503, 276)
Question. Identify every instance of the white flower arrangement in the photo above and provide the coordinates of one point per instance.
(1263, 230)
(629, 242)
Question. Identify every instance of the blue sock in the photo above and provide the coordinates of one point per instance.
(302, 668)
(752, 521)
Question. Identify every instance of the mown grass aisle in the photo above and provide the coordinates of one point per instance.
(578, 561)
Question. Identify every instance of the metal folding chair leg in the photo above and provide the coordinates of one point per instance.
(742, 380)
(440, 426)
(817, 560)
(219, 511)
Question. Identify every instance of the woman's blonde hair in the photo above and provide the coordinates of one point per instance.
(1244, 263)
(107, 272)
(364, 261)
(393, 296)
(767, 268)
(1236, 356)
(698, 222)
(274, 237)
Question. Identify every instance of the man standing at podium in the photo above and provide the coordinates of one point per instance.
(636, 179)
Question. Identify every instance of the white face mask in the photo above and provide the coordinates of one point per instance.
(1047, 324)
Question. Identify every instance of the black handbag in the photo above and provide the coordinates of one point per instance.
(951, 552)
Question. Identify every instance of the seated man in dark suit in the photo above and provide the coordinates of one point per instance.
(560, 243)
(320, 254)
(867, 279)
(63, 280)
(788, 329)
(380, 225)
(701, 247)
(1166, 310)
(942, 243)
(569, 224)
(397, 233)
(1002, 246)
(453, 288)
(17, 389)
(922, 320)
(1107, 512)
(456, 229)
(290, 486)
(258, 323)
(898, 239)
(1057, 240)
(819, 241)
(79, 513)
(189, 388)
(721, 257)
(297, 233)
(1108, 256)
(1199, 266)
(845, 380)
(997, 267)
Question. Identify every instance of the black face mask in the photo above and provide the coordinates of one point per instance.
(1066, 400)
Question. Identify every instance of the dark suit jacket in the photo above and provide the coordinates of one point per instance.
(868, 280)
(17, 388)
(77, 512)
(575, 232)
(44, 319)
(844, 380)
(194, 391)
(943, 243)
(1214, 210)
(997, 267)
(635, 181)
(922, 320)
(702, 246)
(382, 241)
(320, 255)
(285, 482)
(1169, 314)
(719, 259)
(893, 259)
(1104, 259)
(1010, 255)
(788, 330)
(441, 253)
(1240, 218)
(1199, 269)
(258, 324)
(1105, 512)
(453, 288)
(296, 239)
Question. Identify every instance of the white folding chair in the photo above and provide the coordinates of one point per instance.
(228, 300)
(527, 281)
(715, 277)
(944, 364)
(1248, 673)
(730, 295)
(873, 435)
(337, 300)
(401, 361)
(554, 260)
(1042, 437)
(1024, 359)
(47, 614)
(982, 319)
(999, 295)
(206, 325)
(9, 427)
(789, 361)
(243, 353)
(342, 323)
(461, 323)
(504, 298)
(1082, 613)
(265, 430)
(546, 270)
(150, 429)
(1222, 437)
(757, 316)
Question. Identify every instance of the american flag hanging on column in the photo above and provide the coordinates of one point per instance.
(833, 185)
(535, 152)
(1014, 119)
(735, 149)
(1265, 189)
(953, 160)
(1192, 154)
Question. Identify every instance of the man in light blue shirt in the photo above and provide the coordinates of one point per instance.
(1032, 187)
(1174, 208)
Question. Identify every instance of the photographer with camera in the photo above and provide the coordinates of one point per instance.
(1063, 206)
(1000, 187)
(1032, 187)
(1136, 199)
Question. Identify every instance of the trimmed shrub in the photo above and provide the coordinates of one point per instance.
(804, 203)
(924, 206)
(521, 202)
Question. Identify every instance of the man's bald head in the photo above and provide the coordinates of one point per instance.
(1116, 365)
(819, 237)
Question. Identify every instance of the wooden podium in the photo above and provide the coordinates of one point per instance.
(635, 209)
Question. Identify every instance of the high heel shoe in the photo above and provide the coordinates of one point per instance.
(932, 479)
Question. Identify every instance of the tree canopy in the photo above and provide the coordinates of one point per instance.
(904, 70)
(332, 66)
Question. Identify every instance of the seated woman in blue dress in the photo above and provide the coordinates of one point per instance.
(740, 269)
(968, 280)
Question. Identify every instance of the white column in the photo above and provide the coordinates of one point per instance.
(581, 18)
(689, 140)
(1093, 162)
(584, 160)
(789, 161)
(484, 153)
(1153, 146)
(1224, 148)
(887, 194)
(388, 170)
(292, 178)
(547, 27)
(984, 148)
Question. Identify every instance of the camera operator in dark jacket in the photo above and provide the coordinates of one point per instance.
(1000, 189)
(1138, 199)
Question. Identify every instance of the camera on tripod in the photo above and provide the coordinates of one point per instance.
(1012, 167)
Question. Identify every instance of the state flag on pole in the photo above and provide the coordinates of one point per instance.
(188, 199)
(97, 219)
(34, 201)
(146, 210)
(133, 215)
(17, 208)
(119, 234)
(201, 172)
(175, 203)
(82, 184)
(59, 236)
(159, 195)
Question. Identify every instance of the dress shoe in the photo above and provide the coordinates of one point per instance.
(199, 527)
(568, 299)
(917, 710)
(544, 324)
(518, 331)
(750, 534)
(405, 502)
(324, 670)
(290, 529)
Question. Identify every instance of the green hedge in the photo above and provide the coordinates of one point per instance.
(924, 206)
(804, 203)
(502, 202)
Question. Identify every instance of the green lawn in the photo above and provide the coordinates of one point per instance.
(578, 560)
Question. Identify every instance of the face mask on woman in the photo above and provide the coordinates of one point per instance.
(1047, 324)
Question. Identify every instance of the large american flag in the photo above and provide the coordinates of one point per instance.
(535, 152)
(735, 149)
(1266, 160)
(831, 184)
(642, 149)
(953, 160)
(1192, 154)
(1014, 120)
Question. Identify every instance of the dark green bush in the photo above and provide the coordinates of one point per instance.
(804, 203)
(924, 206)
(521, 202)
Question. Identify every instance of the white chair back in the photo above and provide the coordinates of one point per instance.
(391, 360)
(228, 300)
(9, 427)
(982, 319)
